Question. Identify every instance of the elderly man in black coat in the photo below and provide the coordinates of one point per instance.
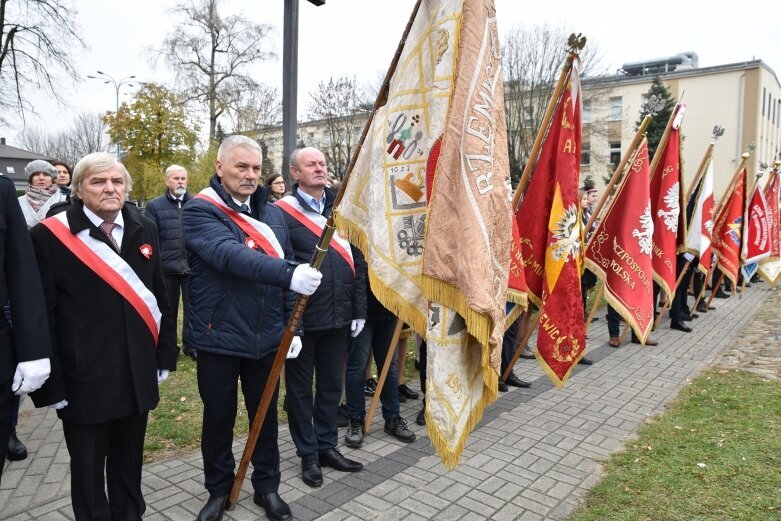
(25, 354)
(166, 212)
(112, 336)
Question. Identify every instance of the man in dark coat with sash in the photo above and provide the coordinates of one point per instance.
(242, 290)
(112, 336)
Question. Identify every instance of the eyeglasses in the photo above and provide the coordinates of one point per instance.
(278, 183)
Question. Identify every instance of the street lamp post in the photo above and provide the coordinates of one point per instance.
(127, 80)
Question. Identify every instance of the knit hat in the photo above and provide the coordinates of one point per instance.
(39, 165)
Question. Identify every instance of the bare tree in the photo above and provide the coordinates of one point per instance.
(36, 39)
(257, 110)
(85, 134)
(340, 104)
(211, 55)
(532, 58)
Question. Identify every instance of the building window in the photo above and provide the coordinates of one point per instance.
(615, 109)
(586, 112)
(615, 153)
(764, 95)
(585, 154)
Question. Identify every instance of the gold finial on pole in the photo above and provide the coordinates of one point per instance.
(576, 43)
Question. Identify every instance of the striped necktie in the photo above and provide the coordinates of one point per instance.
(107, 227)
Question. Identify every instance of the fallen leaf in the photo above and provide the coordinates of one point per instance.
(701, 465)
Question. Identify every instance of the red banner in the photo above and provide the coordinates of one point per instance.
(620, 250)
(516, 287)
(771, 196)
(561, 339)
(728, 229)
(666, 197)
(757, 244)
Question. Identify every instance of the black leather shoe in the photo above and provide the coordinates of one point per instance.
(407, 393)
(516, 382)
(680, 326)
(276, 509)
(421, 417)
(722, 294)
(585, 361)
(213, 509)
(701, 308)
(334, 459)
(691, 317)
(311, 473)
(503, 386)
(16, 449)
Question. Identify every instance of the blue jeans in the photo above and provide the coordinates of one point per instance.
(376, 335)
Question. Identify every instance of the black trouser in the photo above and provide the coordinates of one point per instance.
(679, 310)
(312, 420)
(117, 448)
(218, 377)
(587, 281)
(176, 284)
(6, 409)
(508, 343)
(422, 361)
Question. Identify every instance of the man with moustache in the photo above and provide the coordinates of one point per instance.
(337, 310)
(166, 212)
(112, 336)
(243, 281)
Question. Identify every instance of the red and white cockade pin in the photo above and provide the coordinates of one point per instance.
(146, 251)
(249, 242)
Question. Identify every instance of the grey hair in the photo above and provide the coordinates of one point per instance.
(174, 168)
(237, 140)
(95, 163)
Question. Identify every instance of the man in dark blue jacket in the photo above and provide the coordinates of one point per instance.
(166, 212)
(242, 284)
(336, 310)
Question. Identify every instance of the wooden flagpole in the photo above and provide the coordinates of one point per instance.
(553, 103)
(749, 196)
(663, 142)
(704, 286)
(384, 374)
(668, 304)
(517, 354)
(318, 256)
(630, 152)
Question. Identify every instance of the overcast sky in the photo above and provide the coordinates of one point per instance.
(358, 38)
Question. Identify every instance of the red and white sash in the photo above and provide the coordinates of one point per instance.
(258, 231)
(107, 264)
(315, 223)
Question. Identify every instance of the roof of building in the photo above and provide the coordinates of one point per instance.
(9, 152)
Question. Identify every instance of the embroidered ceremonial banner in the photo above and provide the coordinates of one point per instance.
(450, 62)
(561, 339)
(770, 268)
(620, 250)
(259, 233)
(728, 229)
(517, 290)
(757, 245)
(666, 197)
(698, 239)
(315, 223)
(107, 264)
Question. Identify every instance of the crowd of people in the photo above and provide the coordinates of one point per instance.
(91, 288)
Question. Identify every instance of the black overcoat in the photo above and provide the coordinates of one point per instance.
(105, 360)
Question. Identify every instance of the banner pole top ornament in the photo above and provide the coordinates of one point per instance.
(718, 131)
(654, 105)
(751, 146)
(576, 43)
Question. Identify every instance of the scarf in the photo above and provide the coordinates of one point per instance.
(37, 197)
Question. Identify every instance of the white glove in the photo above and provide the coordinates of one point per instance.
(305, 279)
(688, 257)
(357, 326)
(30, 376)
(59, 405)
(162, 376)
(295, 347)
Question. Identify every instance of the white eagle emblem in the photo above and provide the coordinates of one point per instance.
(673, 207)
(646, 236)
(709, 226)
(566, 235)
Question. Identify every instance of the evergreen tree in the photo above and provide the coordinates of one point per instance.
(659, 121)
